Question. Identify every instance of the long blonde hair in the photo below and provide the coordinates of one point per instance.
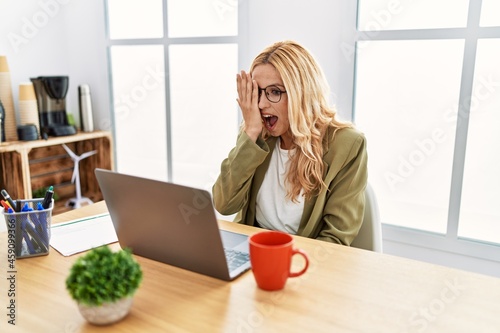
(309, 114)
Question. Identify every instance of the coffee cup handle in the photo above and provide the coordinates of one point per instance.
(306, 258)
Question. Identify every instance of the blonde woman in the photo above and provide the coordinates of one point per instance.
(295, 167)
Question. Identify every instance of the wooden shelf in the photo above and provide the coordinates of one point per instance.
(26, 166)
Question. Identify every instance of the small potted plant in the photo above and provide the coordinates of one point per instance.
(103, 283)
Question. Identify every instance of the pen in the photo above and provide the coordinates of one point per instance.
(5, 205)
(36, 237)
(19, 205)
(40, 220)
(27, 240)
(48, 197)
(26, 207)
(7, 197)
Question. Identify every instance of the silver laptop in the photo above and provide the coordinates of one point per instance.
(173, 224)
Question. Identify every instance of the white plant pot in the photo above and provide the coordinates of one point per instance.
(106, 314)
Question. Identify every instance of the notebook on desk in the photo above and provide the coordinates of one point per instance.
(173, 224)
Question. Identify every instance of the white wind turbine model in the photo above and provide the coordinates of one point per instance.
(79, 200)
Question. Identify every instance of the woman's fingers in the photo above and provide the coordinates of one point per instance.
(244, 86)
(240, 84)
(248, 100)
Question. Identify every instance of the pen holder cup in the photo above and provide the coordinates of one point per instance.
(29, 231)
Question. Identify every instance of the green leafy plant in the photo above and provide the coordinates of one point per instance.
(40, 193)
(103, 276)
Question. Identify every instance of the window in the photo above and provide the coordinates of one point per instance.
(172, 69)
(204, 118)
(479, 214)
(139, 109)
(427, 95)
(129, 19)
(405, 91)
(379, 15)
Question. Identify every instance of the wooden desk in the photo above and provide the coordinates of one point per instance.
(345, 290)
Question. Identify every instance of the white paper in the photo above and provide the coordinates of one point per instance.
(82, 234)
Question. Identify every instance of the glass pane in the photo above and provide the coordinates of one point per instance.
(135, 19)
(406, 100)
(204, 110)
(139, 110)
(490, 13)
(377, 15)
(200, 18)
(479, 213)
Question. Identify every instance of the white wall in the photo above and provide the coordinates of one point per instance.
(58, 37)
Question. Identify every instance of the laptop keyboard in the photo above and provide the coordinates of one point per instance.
(235, 258)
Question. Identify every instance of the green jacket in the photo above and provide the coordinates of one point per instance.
(334, 215)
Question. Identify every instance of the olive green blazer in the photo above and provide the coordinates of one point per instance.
(334, 215)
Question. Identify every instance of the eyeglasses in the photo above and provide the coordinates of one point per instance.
(273, 93)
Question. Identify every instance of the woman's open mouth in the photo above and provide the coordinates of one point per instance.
(269, 121)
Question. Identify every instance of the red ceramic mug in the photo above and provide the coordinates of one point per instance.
(271, 255)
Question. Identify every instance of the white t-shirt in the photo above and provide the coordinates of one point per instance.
(274, 211)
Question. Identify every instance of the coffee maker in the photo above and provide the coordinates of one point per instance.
(50, 94)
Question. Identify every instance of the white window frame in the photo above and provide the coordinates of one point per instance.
(449, 243)
(166, 42)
